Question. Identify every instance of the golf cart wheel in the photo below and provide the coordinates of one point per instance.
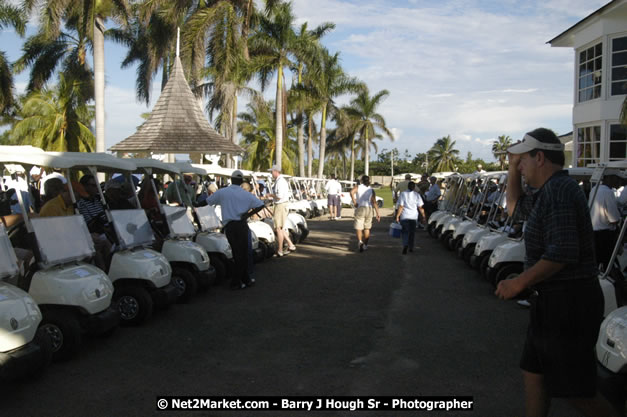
(64, 331)
(431, 229)
(483, 265)
(135, 305)
(508, 271)
(451, 242)
(294, 236)
(444, 237)
(380, 204)
(303, 232)
(468, 251)
(437, 232)
(185, 283)
(308, 214)
(218, 264)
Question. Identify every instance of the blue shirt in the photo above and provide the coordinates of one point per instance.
(234, 201)
(559, 228)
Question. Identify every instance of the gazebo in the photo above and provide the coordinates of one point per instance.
(177, 125)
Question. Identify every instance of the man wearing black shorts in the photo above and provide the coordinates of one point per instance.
(558, 359)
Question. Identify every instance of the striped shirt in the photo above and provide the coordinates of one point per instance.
(91, 208)
(559, 228)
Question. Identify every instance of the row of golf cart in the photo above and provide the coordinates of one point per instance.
(51, 294)
(472, 221)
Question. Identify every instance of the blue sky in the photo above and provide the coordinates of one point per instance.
(472, 69)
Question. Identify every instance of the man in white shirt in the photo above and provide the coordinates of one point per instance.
(432, 196)
(605, 216)
(410, 203)
(281, 198)
(334, 189)
(237, 205)
(364, 200)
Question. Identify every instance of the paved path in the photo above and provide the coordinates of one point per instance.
(324, 320)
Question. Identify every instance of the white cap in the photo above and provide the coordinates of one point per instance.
(275, 167)
(529, 143)
(237, 174)
(35, 171)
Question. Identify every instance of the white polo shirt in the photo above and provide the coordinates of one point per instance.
(410, 200)
(234, 202)
(364, 196)
(333, 187)
(604, 209)
(281, 190)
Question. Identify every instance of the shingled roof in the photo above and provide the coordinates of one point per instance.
(177, 124)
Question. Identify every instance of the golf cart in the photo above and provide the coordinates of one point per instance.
(24, 348)
(445, 226)
(191, 268)
(453, 198)
(141, 276)
(74, 297)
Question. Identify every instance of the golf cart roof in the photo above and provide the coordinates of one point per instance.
(156, 166)
(100, 160)
(187, 168)
(42, 159)
(214, 169)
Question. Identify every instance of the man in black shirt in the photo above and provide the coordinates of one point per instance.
(558, 358)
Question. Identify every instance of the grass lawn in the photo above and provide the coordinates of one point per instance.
(385, 193)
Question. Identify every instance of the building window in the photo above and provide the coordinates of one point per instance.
(619, 66)
(618, 143)
(590, 60)
(588, 145)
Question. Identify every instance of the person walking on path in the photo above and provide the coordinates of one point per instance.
(558, 359)
(237, 205)
(410, 203)
(334, 189)
(364, 200)
(282, 197)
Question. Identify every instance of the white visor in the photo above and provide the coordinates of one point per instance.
(529, 143)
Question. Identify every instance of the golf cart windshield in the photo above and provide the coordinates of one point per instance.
(178, 222)
(132, 227)
(62, 239)
(8, 261)
(208, 218)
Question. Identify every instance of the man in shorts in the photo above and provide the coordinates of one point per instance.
(558, 359)
(334, 189)
(281, 198)
(365, 201)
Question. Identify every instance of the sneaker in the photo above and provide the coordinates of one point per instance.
(361, 246)
(337, 218)
(365, 247)
(524, 303)
(238, 287)
(279, 254)
(291, 248)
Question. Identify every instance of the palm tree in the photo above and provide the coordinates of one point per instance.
(328, 81)
(257, 127)
(88, 18)
(308, 47)
(366, 120)
(499, 149)
(442, 155)
(274, 44)
(56, 119)
(9, 16)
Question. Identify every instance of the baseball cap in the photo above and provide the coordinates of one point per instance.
(529, 143)
(407, 176)
(237, 174)
(275, 167)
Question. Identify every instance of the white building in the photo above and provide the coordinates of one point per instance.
(600, 44)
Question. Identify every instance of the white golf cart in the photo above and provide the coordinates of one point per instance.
(467, 235)
(141, 276)
(73, 296)
(453, 198)
(445, 226)
(25, 349)
(191, 268)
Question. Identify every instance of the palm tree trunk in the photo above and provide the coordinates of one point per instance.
(366, 154)
(99, 83)
(323, 141)
(301, 146)
(234, 124)
(246, 29)
(353, 159)
(278, 136)
(310, 147)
